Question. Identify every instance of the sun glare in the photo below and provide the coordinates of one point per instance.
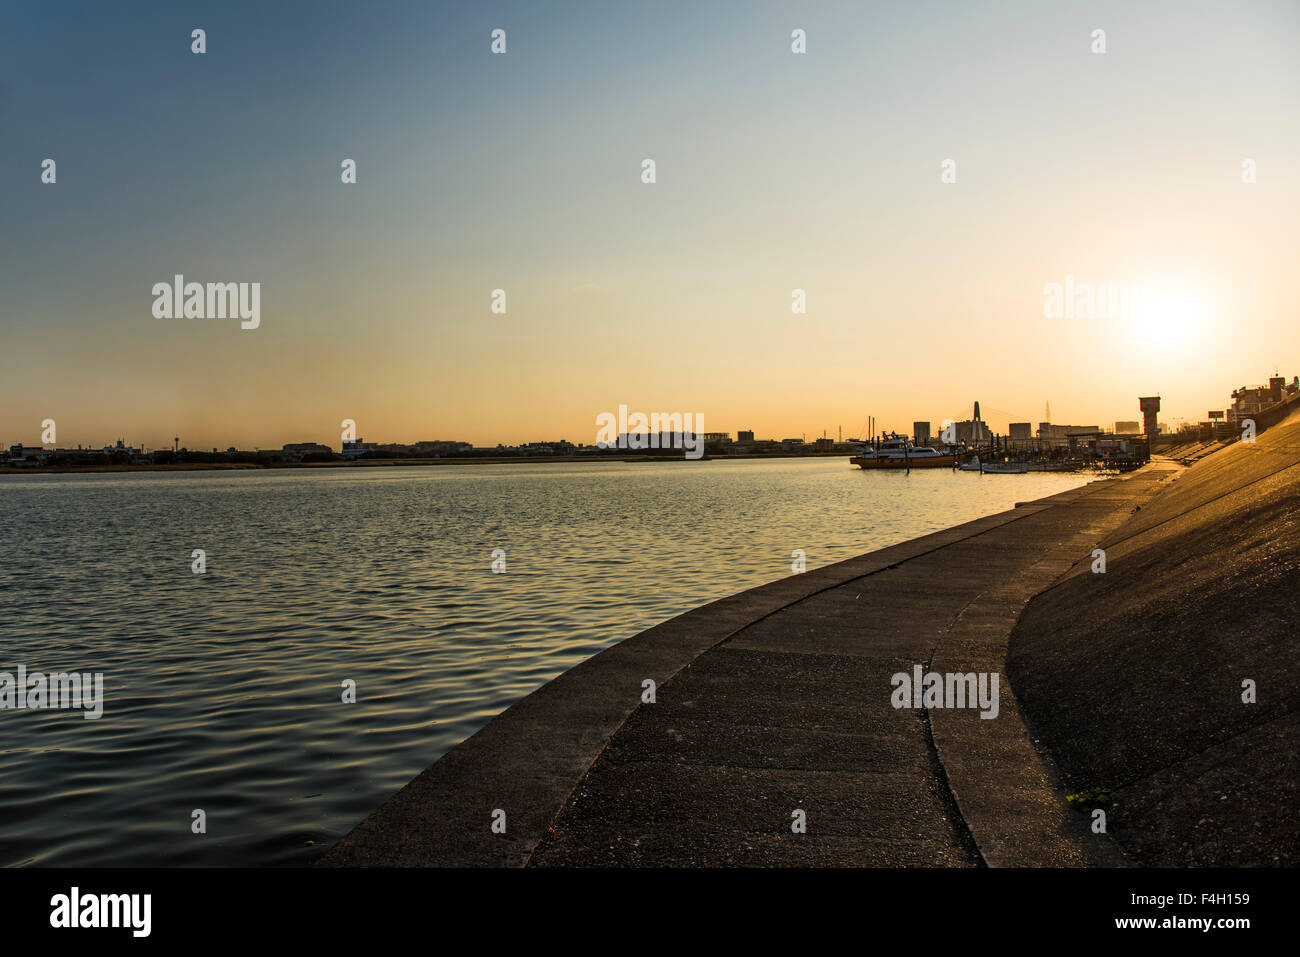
(1171, 317)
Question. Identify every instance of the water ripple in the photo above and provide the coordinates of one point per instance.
(223, 691)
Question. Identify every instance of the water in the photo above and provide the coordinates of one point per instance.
(223, 689)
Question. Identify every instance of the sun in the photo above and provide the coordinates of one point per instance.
(1170, 317)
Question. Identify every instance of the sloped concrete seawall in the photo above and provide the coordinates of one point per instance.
(1135, 678)
(774, 701)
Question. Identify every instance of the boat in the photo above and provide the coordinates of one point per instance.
(900, 453)
(1050, 466)
(997, 468)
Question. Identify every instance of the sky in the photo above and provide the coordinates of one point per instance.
(522, 171)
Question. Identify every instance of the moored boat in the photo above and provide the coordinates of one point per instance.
(900, 453)
(997, 468)
(1050, 466)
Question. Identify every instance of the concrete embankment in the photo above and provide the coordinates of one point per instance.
(776, 701)
(1134, 678)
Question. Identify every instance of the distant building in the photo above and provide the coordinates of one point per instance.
(1061, 433)
(824, 445)
(562, 447)
(1150, 408)
(921, 433)
(117, 448)
(1248, 400)
(441, 447)
(745, 437)
(27, 455)
(1020, 431)
(356, 447)
(1128, 427)
(973, 432)
(304, 448)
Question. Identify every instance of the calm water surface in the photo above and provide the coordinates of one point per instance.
(223, 689)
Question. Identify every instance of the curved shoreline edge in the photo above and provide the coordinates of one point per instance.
(530, 759)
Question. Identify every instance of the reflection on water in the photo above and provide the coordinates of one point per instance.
(223, 689)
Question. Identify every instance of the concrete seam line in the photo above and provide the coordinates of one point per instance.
(971, 843)
(944, 779)
(1051, 776)
(1013, 515)
(932, 748)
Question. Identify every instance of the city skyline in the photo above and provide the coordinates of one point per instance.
(999, 423)
(857, 433)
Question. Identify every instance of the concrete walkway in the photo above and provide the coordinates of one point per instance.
(777, 700)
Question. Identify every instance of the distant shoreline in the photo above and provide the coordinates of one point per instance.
(387, 463)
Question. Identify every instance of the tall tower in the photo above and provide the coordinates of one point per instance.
(1047, 412)
(1149, 405)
